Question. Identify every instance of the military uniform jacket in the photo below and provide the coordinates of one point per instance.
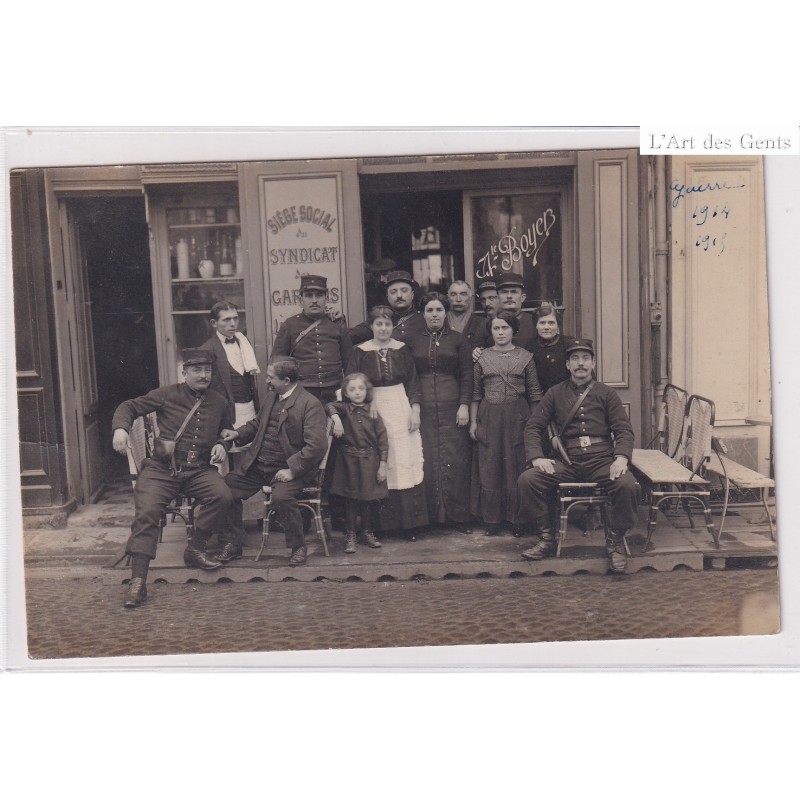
(302, 432)
(321, 354)
(171, 405)
(476, 332)
(526, 336)
(404, 326)
(600, 414)
(221, 373)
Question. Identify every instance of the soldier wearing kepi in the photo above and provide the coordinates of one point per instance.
(598, 439)
(401, 291)
(511, 294)
(320, 346)
(191, 417)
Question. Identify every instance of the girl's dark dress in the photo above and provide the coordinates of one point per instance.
(355, 457)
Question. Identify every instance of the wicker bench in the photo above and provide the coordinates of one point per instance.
(733, 474)
(664, 479)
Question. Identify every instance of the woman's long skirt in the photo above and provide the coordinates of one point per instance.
(500, 460)
(447, 449)
(405, 507)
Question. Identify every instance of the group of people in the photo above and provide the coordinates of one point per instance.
(437, 416)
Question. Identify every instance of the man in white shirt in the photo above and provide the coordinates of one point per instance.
(235, 364)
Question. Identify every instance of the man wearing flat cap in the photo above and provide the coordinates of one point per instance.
(511, 294)
(320, 345)
(401, 296)
(597, 438)
(191, 418)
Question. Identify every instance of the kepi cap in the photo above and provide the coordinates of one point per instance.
(509, 279)
(316, 282)
(578, 344)
(487, 283)
(400, 275)
(193, 356)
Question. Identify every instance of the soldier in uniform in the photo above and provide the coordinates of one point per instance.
(511, 291)
(289, 440)
(401, 291)
(599, 443)
(321, 346)
(192, 416)
(235, 364)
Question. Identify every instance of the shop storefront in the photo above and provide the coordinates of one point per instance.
(117, 268)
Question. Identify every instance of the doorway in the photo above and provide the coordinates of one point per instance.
(114, 238)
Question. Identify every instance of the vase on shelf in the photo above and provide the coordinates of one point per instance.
(206, 268)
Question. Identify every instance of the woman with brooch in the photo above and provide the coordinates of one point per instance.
(389, 366)
(443, 359)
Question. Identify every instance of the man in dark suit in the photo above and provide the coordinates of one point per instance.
(235, 365)
(288, 442)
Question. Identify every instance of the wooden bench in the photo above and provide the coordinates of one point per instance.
(665, 479)
(732, 473)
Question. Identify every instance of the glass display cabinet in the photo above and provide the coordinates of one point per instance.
(197, 260)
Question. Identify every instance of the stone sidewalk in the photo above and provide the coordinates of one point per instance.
(94, 540)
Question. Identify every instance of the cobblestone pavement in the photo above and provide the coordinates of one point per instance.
(81, 616)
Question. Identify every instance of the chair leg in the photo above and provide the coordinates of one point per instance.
(651, 523)
(562, 527)
(764, 495)
(710, 525)
(320, 526)
(264, 532)
(725, 501)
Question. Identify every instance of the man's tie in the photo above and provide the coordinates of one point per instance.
(231, 340)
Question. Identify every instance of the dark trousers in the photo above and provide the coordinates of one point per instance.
(365, 510)
(325, 394)
(155, 489)
(284, 496)
(536, 488)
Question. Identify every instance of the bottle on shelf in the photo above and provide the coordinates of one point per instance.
(238, 256)
(225, 263)
(182, 253)
(194, 253)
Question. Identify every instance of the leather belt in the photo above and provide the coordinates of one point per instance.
(359, 452)
(585, 441)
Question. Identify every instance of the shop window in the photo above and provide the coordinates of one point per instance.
(518, 232)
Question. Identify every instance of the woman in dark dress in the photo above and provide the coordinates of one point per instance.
(390, 368)
(548, 347)
(443, 358)
(506, 391)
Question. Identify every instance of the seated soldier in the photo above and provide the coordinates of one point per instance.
(598, 440)
(191, 418)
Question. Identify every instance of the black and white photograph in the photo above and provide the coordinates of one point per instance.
(393, 398)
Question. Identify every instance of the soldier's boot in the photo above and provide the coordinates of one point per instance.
(615, 547)
(367, 537)
(546, 546)
(137, 593)
(350, 541)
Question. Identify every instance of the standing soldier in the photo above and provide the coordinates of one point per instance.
(511, 291)
(320, 346)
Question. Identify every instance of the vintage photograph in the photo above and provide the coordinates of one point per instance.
(393, 400)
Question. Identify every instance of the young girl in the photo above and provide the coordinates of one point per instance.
(357, 470)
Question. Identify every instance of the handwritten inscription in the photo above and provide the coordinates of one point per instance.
(680, 190)
(700, 215)
(508, 252)
(710, 243)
